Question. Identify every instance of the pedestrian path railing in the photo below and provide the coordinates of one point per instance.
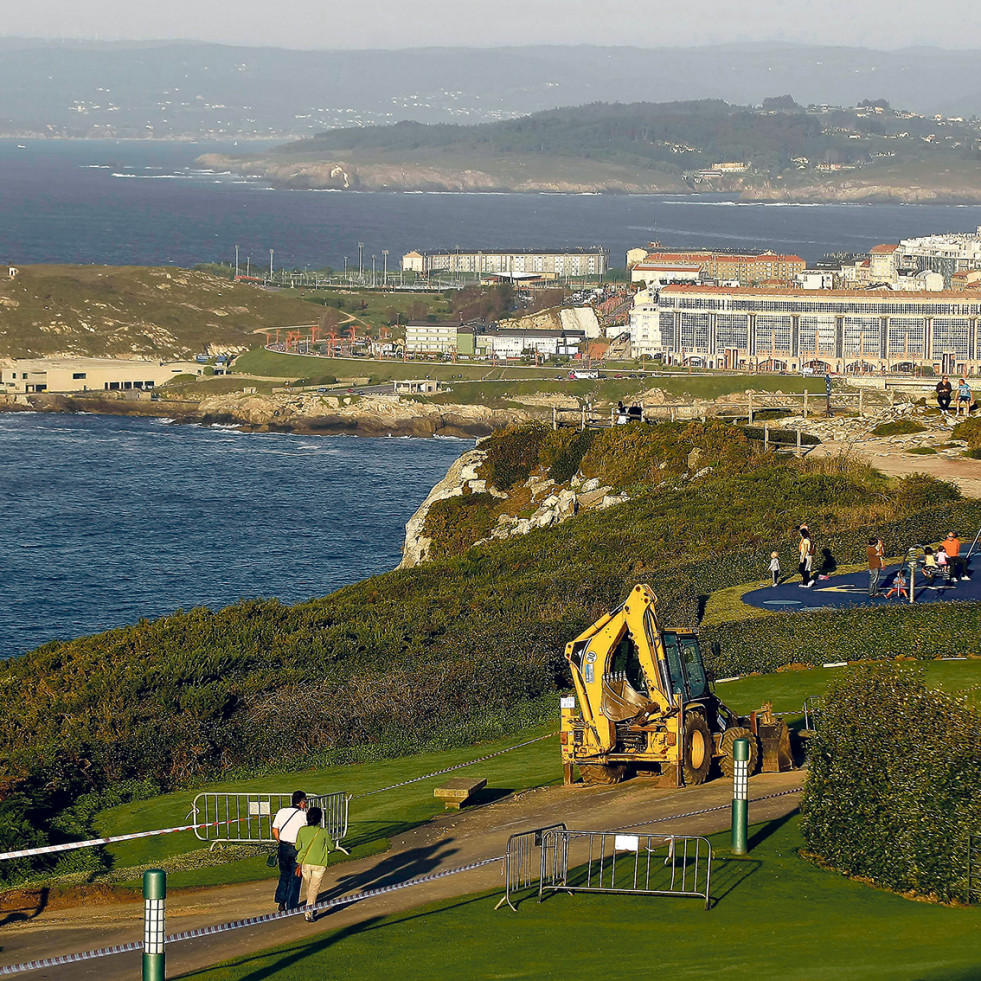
(246, 819)
(523, 862)
(630, 864)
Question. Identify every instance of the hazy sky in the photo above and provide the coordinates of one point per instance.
(402, 23)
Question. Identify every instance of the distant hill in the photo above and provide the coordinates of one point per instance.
(780, 150)
(184, 90)
(135, 312)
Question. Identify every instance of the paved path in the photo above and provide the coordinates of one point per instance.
(450, 840)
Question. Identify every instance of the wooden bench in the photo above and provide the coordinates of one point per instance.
(457, 792)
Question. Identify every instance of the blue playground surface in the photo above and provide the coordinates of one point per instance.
(852, 589)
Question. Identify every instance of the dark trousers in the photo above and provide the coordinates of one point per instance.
(958, 567)
(288, 889)
(805, 575)
(943, 400)
(874, 581)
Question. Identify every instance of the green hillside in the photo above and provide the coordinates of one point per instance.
(440, 655)
(135, 311)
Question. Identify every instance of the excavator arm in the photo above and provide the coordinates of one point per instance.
(620, 670)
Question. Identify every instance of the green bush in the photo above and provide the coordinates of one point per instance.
(899, 427)
(513, 454)
(894, 782)
(970, 431)
(455, 523)
(974, 454)
(922, 451)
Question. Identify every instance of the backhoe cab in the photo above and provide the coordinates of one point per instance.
(647, 707)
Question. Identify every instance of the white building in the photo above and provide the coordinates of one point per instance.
(431, 338)
(547, 263)
(945, 254)
(525, 341)
(662, 273)
(33, 375)
(645, 337)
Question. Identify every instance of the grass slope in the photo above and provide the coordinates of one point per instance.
(135, 311)
(776, 916)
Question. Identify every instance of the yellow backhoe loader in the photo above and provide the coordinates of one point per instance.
(646, 705)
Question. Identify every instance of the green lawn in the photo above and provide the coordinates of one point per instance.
(776, 916)
(374, 820)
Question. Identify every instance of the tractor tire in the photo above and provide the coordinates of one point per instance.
(602, 774)
(726, 763)
(697, 749)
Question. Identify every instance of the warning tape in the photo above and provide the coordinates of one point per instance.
(707, 810)
(209, 931)
(95, 842)
(459, 766)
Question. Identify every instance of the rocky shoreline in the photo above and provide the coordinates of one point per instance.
(302, 413)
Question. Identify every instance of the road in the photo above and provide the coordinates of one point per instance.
(451, 840)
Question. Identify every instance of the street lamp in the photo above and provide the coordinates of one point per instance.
(360, 260)
(385, 276)
(372, 272)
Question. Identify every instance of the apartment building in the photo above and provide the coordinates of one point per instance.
(547, 263)
(746, 268)
(840, 330)
(945, 254)
(424, 337)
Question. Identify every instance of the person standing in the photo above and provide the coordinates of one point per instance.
(313, 846)
(958, 565)
(963, 397)
(875, 555)
(827, 391)
(285, 827)
(775, 568)
(944, 392)
(806, 564)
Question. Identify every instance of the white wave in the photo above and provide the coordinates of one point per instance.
(95, 167)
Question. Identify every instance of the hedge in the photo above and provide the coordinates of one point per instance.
(894, 782)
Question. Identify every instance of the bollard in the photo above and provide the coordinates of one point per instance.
(154, 901)
(740, 795)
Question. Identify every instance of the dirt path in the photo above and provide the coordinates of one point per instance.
(451, 840)
(891, 459)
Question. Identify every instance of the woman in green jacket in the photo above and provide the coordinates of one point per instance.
(313, 846)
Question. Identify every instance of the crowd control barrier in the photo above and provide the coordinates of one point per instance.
(246, 819)
(523, 862)
(614, 862)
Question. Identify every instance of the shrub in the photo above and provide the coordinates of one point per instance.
(513, 454)
(922, 451)
(974, 454)
(455, 523)
(563, 453)
(894, 782)
(970, 431)
(899, 427)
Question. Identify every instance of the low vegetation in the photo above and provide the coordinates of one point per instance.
(899, 427)
(894, 782)
(135, 311)
(440, 655)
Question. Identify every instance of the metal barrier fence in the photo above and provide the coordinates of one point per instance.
(613, 862)
(246, 819)
(523, 862)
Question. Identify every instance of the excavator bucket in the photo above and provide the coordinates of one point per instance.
(775, 742)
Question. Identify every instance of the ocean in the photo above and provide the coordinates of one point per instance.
(109, 519)
(144, 203)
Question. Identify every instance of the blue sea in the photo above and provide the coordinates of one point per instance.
(107, 520)
(145, 203)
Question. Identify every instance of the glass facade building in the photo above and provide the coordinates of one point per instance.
(837, 330)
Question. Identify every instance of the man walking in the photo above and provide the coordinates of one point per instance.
(285, 827)
(875, 553)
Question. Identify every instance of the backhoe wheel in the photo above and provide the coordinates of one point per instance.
(731, 734)
(697, 746)
(602, 773)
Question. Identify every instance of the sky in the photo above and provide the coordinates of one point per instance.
(881, 24)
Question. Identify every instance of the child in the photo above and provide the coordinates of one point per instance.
(898, 588)
(930, 568)
(775, 568)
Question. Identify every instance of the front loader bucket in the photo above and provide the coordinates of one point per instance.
(775, 740)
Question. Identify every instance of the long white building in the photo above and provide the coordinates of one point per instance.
(841, 330)
(548, 263)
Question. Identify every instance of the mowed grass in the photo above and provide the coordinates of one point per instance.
(776, 916)
(374, 820)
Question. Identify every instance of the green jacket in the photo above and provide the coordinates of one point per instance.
(313, 845)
